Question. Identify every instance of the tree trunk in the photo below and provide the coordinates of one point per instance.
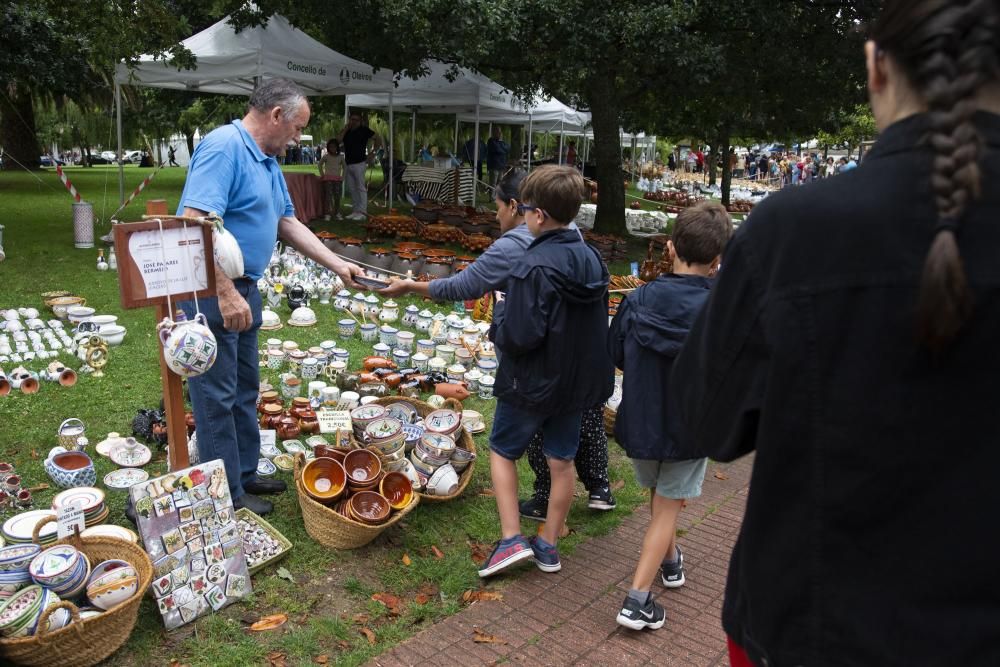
(713, 162)
(727, 172)
(189, 139)
(516, 142)
(17, 130)
(607, 155)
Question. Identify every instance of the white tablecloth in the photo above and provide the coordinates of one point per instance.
(638, 223)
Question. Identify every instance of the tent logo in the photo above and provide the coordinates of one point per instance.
(345, 76)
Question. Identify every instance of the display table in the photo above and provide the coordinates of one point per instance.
(638, 223)
(306, 191)
(444, 185)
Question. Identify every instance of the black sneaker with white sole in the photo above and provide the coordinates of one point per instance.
(636, 616)
(534, 508)
(601, 499)
(672, 574)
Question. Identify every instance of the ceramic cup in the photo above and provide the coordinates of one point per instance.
(486, 387)
(420, 361)
(381, 350)
(401, 358)
(446, 352)
(472, 379)
(426, 347)
(387, 335)
(273, 344)
(310, 368)
(331, 397)
(275, 359)
(350, 399)
(369, 332)
(404, 340)
(342, 355)
(316, 388)
(346, 327)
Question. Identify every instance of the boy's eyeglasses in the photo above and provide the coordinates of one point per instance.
(522, 208)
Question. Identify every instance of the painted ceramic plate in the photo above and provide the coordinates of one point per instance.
(284, 462)
(87, 498)
(104, 447)
(269, 451)
(109, 530)
(125, 478)
(18, 528)
(265, 468)
(130, 455)
(370, 283)
(293, 446)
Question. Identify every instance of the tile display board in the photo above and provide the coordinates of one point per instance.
(190, 531)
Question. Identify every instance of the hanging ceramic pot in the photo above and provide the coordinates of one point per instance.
(189, 347)
(228, 255)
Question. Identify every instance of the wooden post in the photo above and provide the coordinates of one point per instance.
(173, 405)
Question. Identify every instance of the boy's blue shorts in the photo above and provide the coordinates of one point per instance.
(513, 428)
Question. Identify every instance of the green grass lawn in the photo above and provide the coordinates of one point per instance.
(329, 601)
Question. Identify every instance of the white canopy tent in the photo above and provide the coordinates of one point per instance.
(232, 63)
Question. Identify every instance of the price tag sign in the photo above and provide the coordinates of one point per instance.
(331, 421)
(68, 519)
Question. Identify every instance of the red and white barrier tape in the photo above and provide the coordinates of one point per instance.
(68, 184)
(136, 192)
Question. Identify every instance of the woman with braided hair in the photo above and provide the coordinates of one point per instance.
(850, 341)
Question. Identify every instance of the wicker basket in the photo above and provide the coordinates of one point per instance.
(464, 441)
(331, 529)
(84, 642)
(286, 546)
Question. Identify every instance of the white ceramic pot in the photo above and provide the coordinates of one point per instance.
(189, 347)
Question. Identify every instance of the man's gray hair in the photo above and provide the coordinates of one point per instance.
(278, 93)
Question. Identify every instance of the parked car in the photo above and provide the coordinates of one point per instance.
(97, 158)
(49, 161)
(131, 157)
(109, 155)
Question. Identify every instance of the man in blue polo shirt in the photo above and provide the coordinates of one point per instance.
(233, 173)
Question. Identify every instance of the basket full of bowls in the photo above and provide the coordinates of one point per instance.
(438, 452)
(79, 603)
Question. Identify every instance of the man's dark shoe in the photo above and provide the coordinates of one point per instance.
(263, 487)
(258, 506)
(534, 508)
(601, 499)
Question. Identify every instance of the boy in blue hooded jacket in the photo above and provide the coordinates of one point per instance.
(645, 337)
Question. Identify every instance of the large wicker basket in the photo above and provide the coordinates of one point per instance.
(331, 529)
(464, 441)
(89, 641)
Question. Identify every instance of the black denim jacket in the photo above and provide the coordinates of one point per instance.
(869, 536)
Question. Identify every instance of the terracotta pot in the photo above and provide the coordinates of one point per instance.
(271, 416)
(300, 405)
(381, 258)
(353, 250)
(288, 428)
(269, 397)
(308, 422)
(407, 261)
(462, 262)
(437, 267)
(410, 247)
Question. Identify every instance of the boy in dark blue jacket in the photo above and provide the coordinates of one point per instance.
(645, 338)
(553, 360)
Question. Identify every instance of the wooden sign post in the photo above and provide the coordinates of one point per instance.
(166, 256)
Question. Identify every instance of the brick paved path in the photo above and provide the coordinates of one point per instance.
(573, 621)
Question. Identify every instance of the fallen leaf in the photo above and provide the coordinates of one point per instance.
(618, 485)
(283, 573)
(437, 552)
(480, 551)
(481, 637)
(321, 659)
(269, 623)
(392, 602)
(276, 659)
(488, 492)
(406, 560)
(34, 453)
(471, 596)
(344, 644)
(421, 598)
(361, 619)
(429, 589)
(721, 475)
(369, 634)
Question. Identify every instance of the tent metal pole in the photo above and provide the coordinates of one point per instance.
(392, 165)
(121, 165)
(475, 166)
(347, 110)
(413, 136)
(561, 134)
(455, 151)
(530, 119)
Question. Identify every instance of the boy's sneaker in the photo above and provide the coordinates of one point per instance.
(546, 556)
(636, 616)
(505, 555)
(672, 574)
(534, 508)
(601, 499)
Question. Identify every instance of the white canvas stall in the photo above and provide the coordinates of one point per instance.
(230, 63)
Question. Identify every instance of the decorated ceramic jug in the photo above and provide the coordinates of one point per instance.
(189, 347)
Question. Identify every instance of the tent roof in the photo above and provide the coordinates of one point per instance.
(228, 62)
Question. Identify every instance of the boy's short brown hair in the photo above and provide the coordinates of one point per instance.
(556, 190)
(701, 232)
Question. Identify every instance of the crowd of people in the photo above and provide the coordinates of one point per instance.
(794, 169)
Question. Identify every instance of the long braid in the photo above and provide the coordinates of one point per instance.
(949, 52)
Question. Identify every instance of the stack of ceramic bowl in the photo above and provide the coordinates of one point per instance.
(385, 437)
(369, 507)
(20, 614)
(324, 479)
(61, 568)
(86, 498)
(364, 415)
(364, 470)
(14, 562)
(433, 453)
(112, 582)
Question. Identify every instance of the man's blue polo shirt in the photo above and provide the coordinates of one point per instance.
(231, 176)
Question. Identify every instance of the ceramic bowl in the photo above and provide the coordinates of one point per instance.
(362, 467)
(17, 557)
(265, 468)
(104, 320)
(20, 614)
(324, 479)
(113, 568)
(369, 507)
(443, 482)
(420, 465)
(443, 421)
(113, 334)
(77, 314)
(54, 565)
(113, 593)
(397, 489)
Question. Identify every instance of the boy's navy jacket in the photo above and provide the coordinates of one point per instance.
(551, 334)
(645, 337)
